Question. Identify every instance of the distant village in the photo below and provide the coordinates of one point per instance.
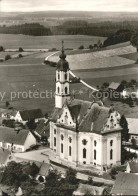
(83, 148)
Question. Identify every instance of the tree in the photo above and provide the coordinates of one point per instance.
(81, 47)
(7, 57)
(7, 104)
(1, 48)
(134, 41)
(134, 143)
(90, 47)
(21, 49)
(71, 176)
(124, 125)
(9, 123)
(20, 55)
(31, 124)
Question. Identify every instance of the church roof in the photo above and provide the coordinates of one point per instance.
(90, 117)
(62, 64)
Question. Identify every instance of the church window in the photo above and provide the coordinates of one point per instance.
(84, 162)
(66, 119)
(58, 89)
(61, 148)
(84, 142)
(94, 154)
(70, 139)
(95, 143)
(66, 90)
(84, 153)
(55, 131)
(69, 150)
(111, 143)
(58, 76)
(62, 137)
(111, 154)
(65, 76)
(54, 141)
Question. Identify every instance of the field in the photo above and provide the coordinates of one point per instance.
(21, 75)
(47, 42)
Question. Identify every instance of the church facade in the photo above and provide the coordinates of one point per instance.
(82, 132)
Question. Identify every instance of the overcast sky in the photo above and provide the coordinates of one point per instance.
(78, 5)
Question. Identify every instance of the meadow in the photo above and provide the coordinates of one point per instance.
(47, 42)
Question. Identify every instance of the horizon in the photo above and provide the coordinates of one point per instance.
(72, 5)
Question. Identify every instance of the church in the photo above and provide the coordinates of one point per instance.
(83, 133)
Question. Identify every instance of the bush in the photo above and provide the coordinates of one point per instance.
(1, 48)
(7, 57)
(21, 49)
(81, 47)
(20, 55)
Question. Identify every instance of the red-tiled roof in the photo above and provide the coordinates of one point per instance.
(9, 135)
(125, 184)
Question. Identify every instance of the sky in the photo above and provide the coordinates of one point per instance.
(69, 5)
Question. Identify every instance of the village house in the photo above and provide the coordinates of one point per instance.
(42, 130)
(114, 86)
(133, 128)
(86, 189)
(24, 116)
(125, 184)
(45, 168)
(132, 167)
(130, 92)
(81, 132)
(17, 141)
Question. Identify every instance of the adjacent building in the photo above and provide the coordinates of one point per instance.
(132, 167)
(27, 115)
(125, 184)
(17, 141)
(133, 128)
(82, 132)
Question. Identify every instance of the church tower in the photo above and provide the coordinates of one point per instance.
(62, 81)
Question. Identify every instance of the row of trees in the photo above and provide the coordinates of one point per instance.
(34, 29)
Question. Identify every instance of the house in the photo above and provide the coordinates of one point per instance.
(27, 115)
(132, 167)
(4, 157)
(86, 189)
(42, 129)
(133, 128)
(45, 168)
(130, 92)
(125, 184)
(17, 141)
(83, 133)
(114, 86)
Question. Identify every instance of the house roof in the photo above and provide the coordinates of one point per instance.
(31, 114)
(44, 169)
(4, 155)
(133, 166)
(9, 135)
(43, 128)
(132, 125)
(90, 117)
(85, 189)
(125, 184)
(114, 85)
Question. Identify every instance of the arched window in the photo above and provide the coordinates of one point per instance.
(84, 153)
(66, 76)
(58, 76)
(61, 148)
(58, 89)
(54, 141)
(95, 143)
(62, 137)
(69, 150)
(111, 143)
(70, 139)
(55, 131)
(84, 142)
(66, 119)
(94, 154)
(111, 154)
(66, 90)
